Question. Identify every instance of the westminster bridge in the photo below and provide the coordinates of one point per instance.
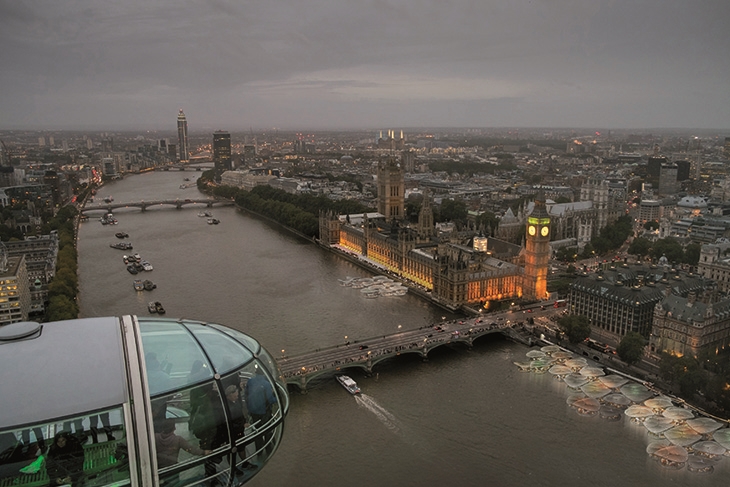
(144, 205)
(299, 370)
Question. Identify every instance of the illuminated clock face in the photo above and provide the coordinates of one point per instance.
(531, 230)
(544, 231)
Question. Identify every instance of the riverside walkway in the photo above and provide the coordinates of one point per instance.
(299, 370)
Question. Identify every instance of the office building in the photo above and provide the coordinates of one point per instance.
(222, 151)
(668, 179)
(654, 165)
(183, 154)
(621, 299)
(40, 254)
(14, 288)
(683, 170)
(249, 153)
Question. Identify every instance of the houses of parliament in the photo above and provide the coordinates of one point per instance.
(458, 269)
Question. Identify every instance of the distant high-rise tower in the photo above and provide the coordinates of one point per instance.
(222, 151)
(182, 137)
(391, 189)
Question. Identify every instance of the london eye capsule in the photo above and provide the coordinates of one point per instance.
(136, 401)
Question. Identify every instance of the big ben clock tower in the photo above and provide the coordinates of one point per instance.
(537, 251)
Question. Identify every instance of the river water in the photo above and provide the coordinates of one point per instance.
(464, 417)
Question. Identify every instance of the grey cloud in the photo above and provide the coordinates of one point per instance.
(142, 60)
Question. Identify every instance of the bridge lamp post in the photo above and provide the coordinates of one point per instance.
(282, 353)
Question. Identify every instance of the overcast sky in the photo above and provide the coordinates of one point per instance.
(298, 64)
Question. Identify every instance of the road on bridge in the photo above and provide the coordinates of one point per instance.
(361, 351)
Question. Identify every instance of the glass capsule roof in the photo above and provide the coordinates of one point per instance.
(63, 368)
(57, 369)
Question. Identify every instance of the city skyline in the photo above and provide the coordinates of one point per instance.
(324, 65)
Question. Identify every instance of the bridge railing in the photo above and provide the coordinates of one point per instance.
(301, 368)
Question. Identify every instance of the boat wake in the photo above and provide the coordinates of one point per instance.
(385, 417)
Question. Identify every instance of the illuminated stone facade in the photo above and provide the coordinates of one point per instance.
(537, 251)
(461, 270)
(456, 273)
(391, 189)
(685, 326)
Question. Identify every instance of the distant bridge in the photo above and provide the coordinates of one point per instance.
(144, 205)
(299, 370)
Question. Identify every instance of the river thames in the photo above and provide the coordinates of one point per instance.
(464, 417)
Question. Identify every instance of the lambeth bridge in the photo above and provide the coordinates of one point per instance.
(299, 370)
(144, 205)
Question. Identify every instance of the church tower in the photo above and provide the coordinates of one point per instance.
(391, 189)
(537, 251)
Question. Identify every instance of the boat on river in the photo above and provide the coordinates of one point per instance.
(151, 307)
(121, 235)
(121, 245)
(348, 384)
(159, 308)
(138, 285)
(213, 221)
(148, 285)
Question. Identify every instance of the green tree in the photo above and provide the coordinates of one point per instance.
(692, 382)
(651, 225)
(61, 307)
(567, 254)
(692, 254)
(669, 247)
(453, 211)
(488, 220)
(576, 327)
(631, 347)
(640, 247)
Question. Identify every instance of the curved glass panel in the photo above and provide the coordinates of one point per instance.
(88, 449)
(225, 352)
(172, 357)
(248, 342)
(268, 361)
(262, 404)
(189, 424)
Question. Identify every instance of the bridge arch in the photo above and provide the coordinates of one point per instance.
(377, 354)
(144, 205)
